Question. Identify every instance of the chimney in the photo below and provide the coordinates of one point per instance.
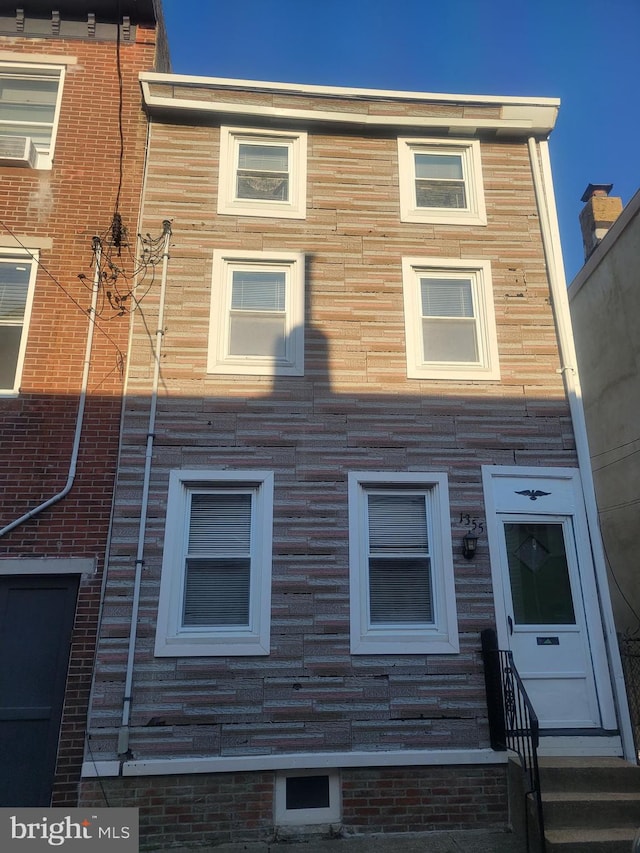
(598, 215)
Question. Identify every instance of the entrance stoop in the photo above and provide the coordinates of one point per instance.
(580, 745)
(591, 803)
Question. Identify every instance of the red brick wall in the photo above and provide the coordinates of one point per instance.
(418, 799)
(64, 208)
(191, 809)
(235, 807)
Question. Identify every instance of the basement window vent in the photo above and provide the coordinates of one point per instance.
(307, 792)
(307, 797)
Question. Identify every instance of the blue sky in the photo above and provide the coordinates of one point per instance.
(585, 52)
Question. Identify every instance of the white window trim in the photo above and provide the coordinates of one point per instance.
(173, 640)
(31, 257)
(442, 638)
(44, 159)
(474, 214)
(488, 366)
(295, 207)
(219, 359)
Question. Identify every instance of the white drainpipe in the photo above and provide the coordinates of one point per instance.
(123, 735)
(543, 185)
(97, 248)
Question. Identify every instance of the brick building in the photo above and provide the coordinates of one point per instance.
(356, 365)
(72, 143)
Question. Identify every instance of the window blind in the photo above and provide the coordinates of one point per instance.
(14, 286)
(217, 592)
(258, 318)
(449, 325)
(446, 297)
(397, 522)
(258, 290)
(218, 561)
(400, 586)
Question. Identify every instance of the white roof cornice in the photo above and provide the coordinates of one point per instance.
(531, 116)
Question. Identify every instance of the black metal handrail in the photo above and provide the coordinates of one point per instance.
(513, 724)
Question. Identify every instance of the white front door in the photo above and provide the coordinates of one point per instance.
(546, 602)
(546, 620)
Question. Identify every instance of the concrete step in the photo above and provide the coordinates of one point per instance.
(590, 840)
(591, 804)
(588, 774)
(568, 809)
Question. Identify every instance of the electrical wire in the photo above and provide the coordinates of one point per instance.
(620, 590)
(614, 461)
(120, 110)
(50, 275)
(119, 292)
(619, 506)
(87, 740)
(617, 447)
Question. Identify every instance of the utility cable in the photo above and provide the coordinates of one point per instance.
(620, 590)
(71, 298)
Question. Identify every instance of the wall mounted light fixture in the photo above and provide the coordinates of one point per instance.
(469, 546)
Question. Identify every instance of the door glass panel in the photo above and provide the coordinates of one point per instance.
(539, 574)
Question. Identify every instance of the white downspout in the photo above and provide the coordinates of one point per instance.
(543, 185)
(97, 248)
(123, 735)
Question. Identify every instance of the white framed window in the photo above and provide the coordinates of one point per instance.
(441, 181)
(17, 285)
(215, 591)
(257, 313)
(449, 319)
(401, 564)
(30, 98)
(307, 797)
(263, 173)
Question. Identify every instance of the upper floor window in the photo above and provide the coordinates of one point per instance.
(449, 319)
(30, 98)
(257, 313)
(215, 592)
(262, 173)
(401, 567)
(441, 182)
(17, 281)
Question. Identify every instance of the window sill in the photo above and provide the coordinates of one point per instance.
(210, 646)
(394, 645)
(442, 217)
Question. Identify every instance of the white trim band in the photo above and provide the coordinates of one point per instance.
(37, 58)
(310, 760)
(48, 565)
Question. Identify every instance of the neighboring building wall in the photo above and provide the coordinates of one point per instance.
(353, 409)
(97, 170)
(605, 305)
